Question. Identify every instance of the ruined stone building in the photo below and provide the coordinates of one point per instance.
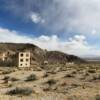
(18, 59)
(4, 56)
(24, 59)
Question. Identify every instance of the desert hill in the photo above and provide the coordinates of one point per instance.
(57, 56)
(37, 54)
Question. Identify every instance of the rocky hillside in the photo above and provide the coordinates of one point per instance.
(56, 57)
(39, 55)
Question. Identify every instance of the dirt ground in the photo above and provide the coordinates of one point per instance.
(51, 82)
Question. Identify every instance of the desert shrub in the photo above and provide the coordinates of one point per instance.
(20, 91)
(7, 71)
(96, 77)
(46, 87)
(74, 85)
(68, 75)
(13, 79)
(46, 75)
(74, 72)
(97, 97)
(72, 98)
(32, 77)
(91, 70)
(7, 78)
(51, 82)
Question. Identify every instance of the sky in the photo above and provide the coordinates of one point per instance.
(70, 26)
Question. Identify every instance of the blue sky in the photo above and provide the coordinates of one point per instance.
(70, 26)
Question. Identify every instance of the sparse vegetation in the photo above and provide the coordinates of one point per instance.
(31, 77)
(69, 75)
(51, 82)
(61, 81)
(97, 97)
(7, 78)
(20, 91)
(92, 71)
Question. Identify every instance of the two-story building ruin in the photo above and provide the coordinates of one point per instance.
(18, 59)
(4, 56)
(24, 59)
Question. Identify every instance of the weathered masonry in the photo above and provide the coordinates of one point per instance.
(4, 56)
(24, 59)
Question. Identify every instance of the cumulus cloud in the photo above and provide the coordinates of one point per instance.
(77, 44)
(36, 18)
(68, 15)
(74, 16)
(7, 35)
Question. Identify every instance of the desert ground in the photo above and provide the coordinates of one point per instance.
(51, 82)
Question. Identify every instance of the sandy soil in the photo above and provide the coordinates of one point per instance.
(50, 82)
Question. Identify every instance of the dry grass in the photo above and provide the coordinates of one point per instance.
(64, 82)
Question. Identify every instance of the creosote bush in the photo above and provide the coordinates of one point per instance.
(32, 77)
(92, 71)
(8, 78)
(69, 75)
(97, 97)
(20, 91)
(51, 82)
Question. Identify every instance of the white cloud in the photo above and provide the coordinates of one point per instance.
(94, 32)
(36, 18)
(79, 16)
(75, 45)
(12, 36)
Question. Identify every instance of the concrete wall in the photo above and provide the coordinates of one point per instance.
(24, 59)
(4, 56)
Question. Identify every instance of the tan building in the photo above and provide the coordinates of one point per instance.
(4, 56)
(24, 59)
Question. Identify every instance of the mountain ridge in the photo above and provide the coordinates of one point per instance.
(39, 55)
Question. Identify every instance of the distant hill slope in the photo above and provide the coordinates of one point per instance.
(93, 59)
(56, 57)
(39, 55)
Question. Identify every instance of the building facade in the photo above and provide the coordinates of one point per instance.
(24, 59)
(4, 56)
